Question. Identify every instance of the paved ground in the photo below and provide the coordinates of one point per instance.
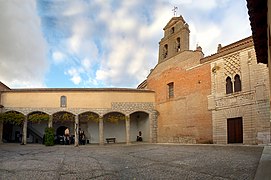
(143, 161)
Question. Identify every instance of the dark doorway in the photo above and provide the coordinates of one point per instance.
(235, 130)
(60, 131)
(7, 132)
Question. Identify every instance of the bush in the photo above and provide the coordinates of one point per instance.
(49, 136)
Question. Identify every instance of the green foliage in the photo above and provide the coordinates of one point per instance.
(49, 136)
(114, 118)
(38, 117)
(93, 117)
(12, 117)
(64, 116)
(89, 116)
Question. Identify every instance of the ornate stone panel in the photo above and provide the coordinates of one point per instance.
(232, 64)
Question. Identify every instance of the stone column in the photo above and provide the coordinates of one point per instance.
(101, 130)
(76, 134)
(127, 123)
(24, 138)
(153, 127)
(1, 132)
(50, 122)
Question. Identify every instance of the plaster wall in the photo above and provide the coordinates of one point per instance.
(41, 99)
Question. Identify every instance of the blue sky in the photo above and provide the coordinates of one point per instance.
(103, 43)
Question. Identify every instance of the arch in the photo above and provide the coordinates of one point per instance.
(88, 116)
(89, 125)
(229, 88)
(115, 126)
(237, 83)
(65, 119)
(60, 130)
(15, 110)
(140, 126)
(12, 126)
(37, 111)
(165, 51)
(139, 111)
(15, 117)
(37, 122)
(178, 44)
(172, 30)
(113, 112)
(63, 116)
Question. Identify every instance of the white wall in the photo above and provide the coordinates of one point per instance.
(117, 130)
(139, 122)
(91, 131)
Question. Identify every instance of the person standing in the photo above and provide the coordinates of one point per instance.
(67, 136)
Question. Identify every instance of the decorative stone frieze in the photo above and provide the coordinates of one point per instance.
(238, 99)
(130, 107)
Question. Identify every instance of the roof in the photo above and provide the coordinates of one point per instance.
(142, 85)
(236, 46)
(174, 20)
(257, 10)
(81, 90)
(3, 86)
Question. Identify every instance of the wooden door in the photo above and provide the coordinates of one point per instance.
(235, 130)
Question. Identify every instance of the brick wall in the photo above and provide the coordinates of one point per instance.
(185, 117)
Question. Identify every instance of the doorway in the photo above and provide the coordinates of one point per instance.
(235, 130)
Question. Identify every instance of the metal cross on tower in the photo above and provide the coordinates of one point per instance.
(174, 11)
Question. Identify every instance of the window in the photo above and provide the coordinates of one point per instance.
(171, 90)
(178, 44)
(237, 83)
(172, 30)
(165, 50)
(63, 101)
(228, 85)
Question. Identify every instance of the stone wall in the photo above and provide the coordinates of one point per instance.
(252, 103)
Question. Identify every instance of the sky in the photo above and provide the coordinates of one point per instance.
(103, 43)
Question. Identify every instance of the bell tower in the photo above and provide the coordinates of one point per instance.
(175, 40)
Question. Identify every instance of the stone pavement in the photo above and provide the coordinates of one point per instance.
(264, 169)
(136, 161)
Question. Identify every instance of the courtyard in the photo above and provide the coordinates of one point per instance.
(135, 161)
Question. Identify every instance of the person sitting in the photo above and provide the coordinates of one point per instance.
(139, 137)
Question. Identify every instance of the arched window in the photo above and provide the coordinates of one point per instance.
(178, 44)
(171, 90)
(165, 50)
(172, 30)
(63, 101)
(228, 85)
(237, 83)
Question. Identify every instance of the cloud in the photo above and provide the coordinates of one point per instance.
(22, 49)
(223, 22)
(75, 75)
(115, 43)
(58, 57)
